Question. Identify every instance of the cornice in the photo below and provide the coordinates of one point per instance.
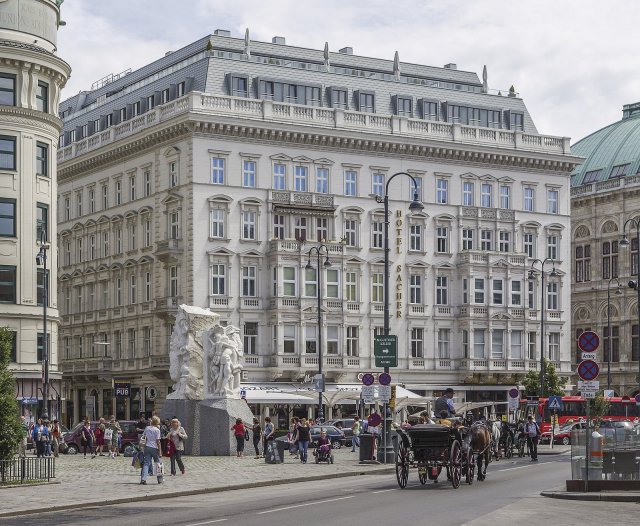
(321, 139)
(37, 119)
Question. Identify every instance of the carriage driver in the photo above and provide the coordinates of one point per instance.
(445, 403)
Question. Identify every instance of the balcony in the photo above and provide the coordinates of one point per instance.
(443, 312)
(302, 200)
(353, 307)
(218, 302)
(284, 303)
(486, 257)
(335, 248)
(168, 305)
(251, 304)
(169, 250)
(488, 213)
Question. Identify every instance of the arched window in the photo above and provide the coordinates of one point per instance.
(583, 263)
(609, 259)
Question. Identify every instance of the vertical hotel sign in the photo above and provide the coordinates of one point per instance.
(399, 282)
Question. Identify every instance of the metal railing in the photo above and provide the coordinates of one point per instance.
(25, 469)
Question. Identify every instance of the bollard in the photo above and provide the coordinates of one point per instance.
(595, 463)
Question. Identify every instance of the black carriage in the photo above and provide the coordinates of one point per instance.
(430, 447)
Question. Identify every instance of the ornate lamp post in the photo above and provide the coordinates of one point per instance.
(634, 284)
(41, 259)
(415, 206)
(327, 263)
(532, 276)
(618, 292)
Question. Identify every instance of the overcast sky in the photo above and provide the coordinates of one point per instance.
(574, 62)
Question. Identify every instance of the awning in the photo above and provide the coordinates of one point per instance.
(277, 397)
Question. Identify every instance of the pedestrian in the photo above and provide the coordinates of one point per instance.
(87, 439)
(445, 403)
(239, 431)
(293, 445)
(177, 435)
(99, 434)
(47, 444)
(267, 434)
(532, 430)
(356, 428)
(111, 436)
(151, 438)
(303, 437)
(22, 447)
(256, 430)
(56, 435)
(40, 437)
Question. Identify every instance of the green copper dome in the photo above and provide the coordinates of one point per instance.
(613, 151)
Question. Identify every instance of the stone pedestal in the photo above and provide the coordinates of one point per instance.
(208, 423)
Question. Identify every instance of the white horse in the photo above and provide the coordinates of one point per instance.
(496, 430)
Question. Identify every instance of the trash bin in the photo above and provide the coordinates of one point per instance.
(274, 453)
(367, 449)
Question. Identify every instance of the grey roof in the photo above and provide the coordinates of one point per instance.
(23, 45)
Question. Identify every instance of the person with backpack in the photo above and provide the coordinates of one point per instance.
(532, 431)
(40, 437)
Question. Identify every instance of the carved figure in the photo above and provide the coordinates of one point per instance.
(224, 352)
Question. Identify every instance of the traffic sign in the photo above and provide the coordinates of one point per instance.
(588, 370)
(368, 394)
(368, 379)
(609, 393)
(384, 379)
(588, 356)
(588, 341)
(638, 399)
(384, 393)
(555, 402)
(514, 392)
(374, 420)
(588, 394)
(588, 385)
(385, 350)
(533, 401)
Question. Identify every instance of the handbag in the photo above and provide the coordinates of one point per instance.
(170, 448)
(108, 434)
(246, 434)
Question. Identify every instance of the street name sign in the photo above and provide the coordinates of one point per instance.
(385, 350)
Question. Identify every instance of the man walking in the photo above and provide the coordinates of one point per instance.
(532, 430)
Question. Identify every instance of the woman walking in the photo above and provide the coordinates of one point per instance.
(177, 435)
(99, 434)
(87, 439)
(239, 431)
(151, 437)
(267, 434)
(304, 437)
(257, 436)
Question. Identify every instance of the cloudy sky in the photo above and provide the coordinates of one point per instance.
(574, 62)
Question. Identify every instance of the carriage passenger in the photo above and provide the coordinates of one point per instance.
(444, 419)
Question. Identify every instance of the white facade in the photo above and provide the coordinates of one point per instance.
(239, 190)
(31, 78)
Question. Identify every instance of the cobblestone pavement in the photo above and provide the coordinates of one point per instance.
(102, 479)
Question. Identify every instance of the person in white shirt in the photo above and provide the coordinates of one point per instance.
(532, 431)
(152, 450)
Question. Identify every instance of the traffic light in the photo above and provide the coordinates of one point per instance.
(633, 284)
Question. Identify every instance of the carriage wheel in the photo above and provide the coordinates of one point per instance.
(470, 468)
(402, 465)
(455, 464)
(508, 447)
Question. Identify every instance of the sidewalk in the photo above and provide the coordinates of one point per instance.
(607, 496)
(82, 482)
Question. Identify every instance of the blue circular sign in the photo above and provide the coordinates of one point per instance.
(588, 341)
(368, 379)
(588, 370)
(384, 379)
(514, 393)
(638, 399)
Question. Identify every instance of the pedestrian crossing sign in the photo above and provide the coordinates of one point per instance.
(555, 402)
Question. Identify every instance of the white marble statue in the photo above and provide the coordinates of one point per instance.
(186, 353)
(224, 362)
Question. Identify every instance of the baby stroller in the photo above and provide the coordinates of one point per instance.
(323, 454)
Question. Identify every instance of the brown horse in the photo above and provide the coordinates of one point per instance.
(480, 445)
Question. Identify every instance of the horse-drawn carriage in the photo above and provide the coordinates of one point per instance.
(430, 447)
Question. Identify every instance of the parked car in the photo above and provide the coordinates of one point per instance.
(345, 424)
(127, 446)
(563, 436)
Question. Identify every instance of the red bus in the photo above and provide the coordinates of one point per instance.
(575, 409)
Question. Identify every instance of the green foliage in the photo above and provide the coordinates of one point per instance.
(10, 428)
(599, 407)
(553, 384)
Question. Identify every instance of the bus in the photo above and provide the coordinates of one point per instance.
(574, 409)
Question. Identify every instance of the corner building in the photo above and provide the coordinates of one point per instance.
(207, 176)
(31, 77)
(605, 193)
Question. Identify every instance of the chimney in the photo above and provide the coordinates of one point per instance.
(451, 65)
(279, 40)
(346, 51)
(222, 33)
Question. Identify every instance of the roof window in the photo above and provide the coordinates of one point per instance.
(592, 176)
(619, 171)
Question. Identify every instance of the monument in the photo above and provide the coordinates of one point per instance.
(206, 362)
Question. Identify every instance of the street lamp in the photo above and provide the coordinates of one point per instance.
(624, 243)
(41, 259)
(532, 276)
(414, 207)
(327, 263)
(618, 292)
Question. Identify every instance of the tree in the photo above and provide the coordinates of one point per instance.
(10, 427)
(553, 384)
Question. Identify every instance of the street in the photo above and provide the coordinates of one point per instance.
(510, 495)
